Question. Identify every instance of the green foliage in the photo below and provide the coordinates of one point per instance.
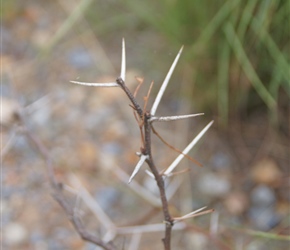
(236, 48)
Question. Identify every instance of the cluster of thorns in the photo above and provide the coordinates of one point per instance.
(145, 121)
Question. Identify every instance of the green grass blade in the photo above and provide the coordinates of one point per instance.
(247, 67)
(246, 18)
(213, 25)
(69, 23)
(223, 84)
(273, 49)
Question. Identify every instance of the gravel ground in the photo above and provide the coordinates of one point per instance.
(92, 136)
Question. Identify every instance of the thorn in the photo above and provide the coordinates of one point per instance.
(149, 173)
(164, 84)
(91, 84)
(187, 149)
(123, 61)
(193, 214)
(173, 118)
(143, 158)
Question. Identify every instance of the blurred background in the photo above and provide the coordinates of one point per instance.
(234, 68)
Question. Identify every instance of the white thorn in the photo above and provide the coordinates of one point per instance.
(123, 62)
(109, 84)
(149, 173)
(186, 150)
(173, 118)
(189, 214)
(143, 158)
(164, 84)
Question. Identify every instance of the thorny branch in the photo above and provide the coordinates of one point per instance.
(145, 120)
(143, 114)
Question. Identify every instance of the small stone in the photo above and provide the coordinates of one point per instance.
(108, 197)
(198, 241)
(14, 234)
(80, 58)
(236, 202)
(9, 111)
(220, 161)
(214, 185)
(263, 195)
(266, 171)
(87, 153)
(263, 218)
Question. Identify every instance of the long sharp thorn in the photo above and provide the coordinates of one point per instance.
(138, 166)
(123, 62)
(150, 174)
(173, 118)
(186, 150)
(92, 84)
(164, 84)
(194, 212)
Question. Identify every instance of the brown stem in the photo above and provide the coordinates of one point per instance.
(146, 150)
(160, 182)
(139, 110)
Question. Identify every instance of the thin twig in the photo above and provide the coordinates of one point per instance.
(140, 82)
(58, 193)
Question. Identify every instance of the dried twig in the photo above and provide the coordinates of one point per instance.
(59, 196)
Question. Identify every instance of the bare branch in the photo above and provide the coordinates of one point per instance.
(92, 204)
(58, 193)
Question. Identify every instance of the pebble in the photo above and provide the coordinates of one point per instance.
(80, 58)
(198, 241)
(14, 234)
(263, 218)
(220, 161)
(263, 195)
(266, 171)
(111, 148)
(107, 197)
(9, 111)
(236, 202)
(214, 185)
